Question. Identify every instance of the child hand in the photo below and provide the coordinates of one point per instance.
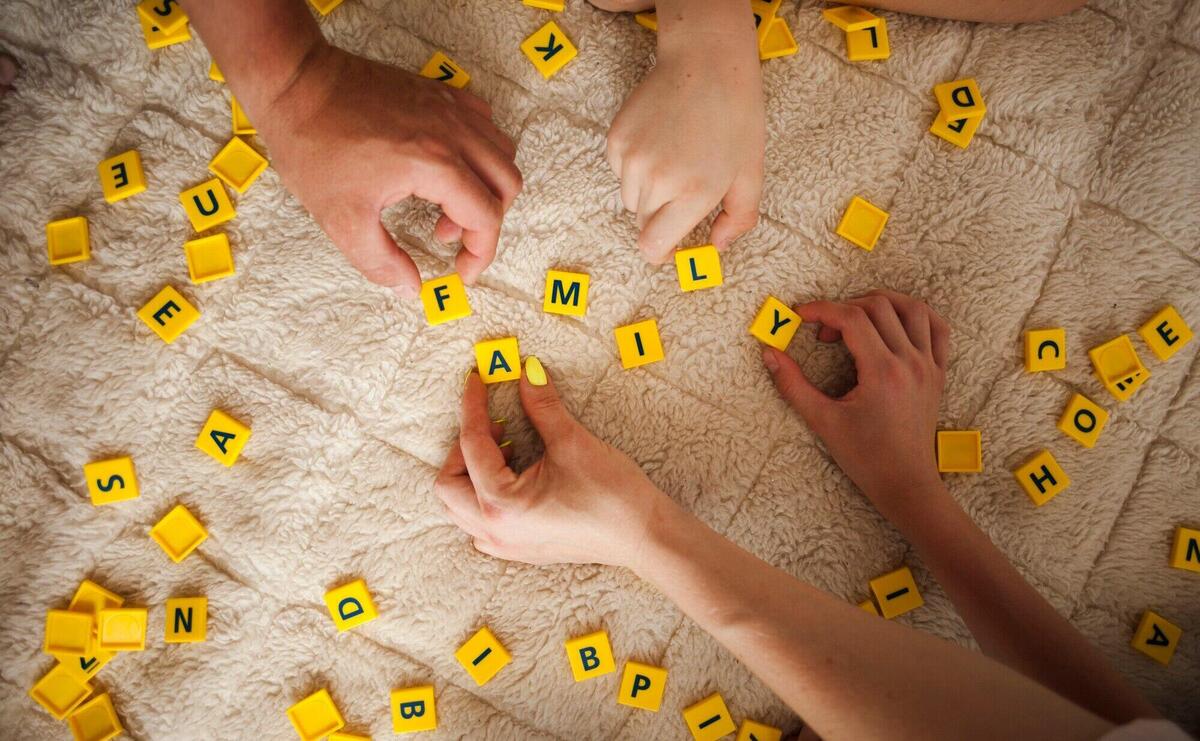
(583, 502)
(881, 432)
(691, 136)
(350, 137)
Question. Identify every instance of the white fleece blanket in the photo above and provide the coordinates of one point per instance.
(1075, 206)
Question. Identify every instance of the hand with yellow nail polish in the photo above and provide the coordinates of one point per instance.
(584, 501)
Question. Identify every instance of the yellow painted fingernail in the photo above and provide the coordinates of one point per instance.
(506, 443)
(534, 371)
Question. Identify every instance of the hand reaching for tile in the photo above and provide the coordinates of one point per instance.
(691, 136)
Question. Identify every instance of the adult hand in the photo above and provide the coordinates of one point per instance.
(584, 501)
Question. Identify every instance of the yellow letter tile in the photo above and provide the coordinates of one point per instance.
(764, 13)
(752, 731)
(214, 72)
(166, 14)
(639, 344)
(186, 620)
(69, 633)
(444, 69)
(566, 293)
(350, 605)
(414, 709)
(1083, 420)
(553, 5)
(1045, 349)
(1156, 637)
(590, 655)
(112, 480)
(960, 99)
(67, 241)
(343, 736)
(240, 121)
(209, 258)
(1185, 553)
(178, 533)
(445, 299)
(95, 720)
(91, 597)
(1118, 367)
(498, 360)
(959, 132)
(482, 656)
(868, 44)
(549, 49)
(896, 592)
(122, 629)
(156, 38)
(168, 314)
(960, 451)
(775, 324)
(238, 164)
(121, 176)
(647, 20)
(778, 41)
(325, 7)
(60, 691)
(642, 686)
(207, 205)
(84, 668)
(1166, 333)
(1042, 478)
(223, 437)
(868, 605)
(315, 716)
(698, 267)
(709, 719)
(850, 17)
(862, 223)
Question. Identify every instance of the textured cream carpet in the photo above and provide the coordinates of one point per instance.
(1077, 205)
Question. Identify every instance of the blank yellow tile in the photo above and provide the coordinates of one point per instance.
(69, 633)
(60, 691)
(95, 720)
(444, 69)
(1156, 637)
(1166, 333)
(482, 656)
(698, 267)
(186, 620)
(868, 44)
(207, 205)
(209, 258)
(223, 437)
(112, 480)
(240, 121)
(764, 14)
(960, 99)
(566, 293)
(445, 299)
(168, 314)
(960, 451)
(414, 709)
(958, 132)
(238, 164)
(91, 597)
(642, 686)
(316, 716)
(350, 605)
(498, 360)
(639, 344)
(777, 41)
(121, 176)
(590, 656)
(775, 324)
(67, 241)
(1083, 420)
(896, 592)
(862, 223)
(709, 719)
(121, 629)
(549, 49)
(1045, 349)
(1042, 478)
(1185, 552)
(178, 533)
(325, 7)
(754, 731)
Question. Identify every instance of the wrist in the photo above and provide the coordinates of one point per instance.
(908, 503)
(697, 25)
(297, 88)
(666, 531)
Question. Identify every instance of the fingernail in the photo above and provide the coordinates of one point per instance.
(506, 443)
(469, 374)
(770, 360)
(534, 371)
(499, 421)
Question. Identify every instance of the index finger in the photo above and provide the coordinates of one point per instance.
(483, 458)
(468, 202)
(857, 331)
(667, 226)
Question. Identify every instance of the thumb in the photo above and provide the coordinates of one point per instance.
(795, 387)
(369, 247)
(542, 403)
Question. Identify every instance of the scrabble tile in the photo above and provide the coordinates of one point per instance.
(482, 656)
(444, 299)
(343, 736)
(95, 720)
(647, 20)
(1042, 478)
(241, 125)
(1083, 420)
(215, 73)
(91, 597)
(156, 38)
(566, 293)
(223, 437)
(325, 7)
(709, 719)
(868, 44)
(764, 14)
(167, 15)
(1185, 552)
(1156, 637)
(1124, 389)
(753, 731)
(862, 223)
(698, 267)
(178, 533)
(186, 620)
(590, 656)
(84, 668)
(554, 5)
(959, 132)
(1118, 367)
(414, 709)
(168, 314)
(1045, 349)
(896, 592)
(1166, 333)
(350, 605)
(549, 49)
(315, 716)
(850, 17)
(67, 241)
(112, 480)
(208, 258)
(238, 164)
(207, 205)
(775, 324)
(498, 360)
(868, 606)
(121, 629)
(778, 41)
(121, 176)
(960, 451)
(68, 633)
(59, 691)
(642, 686)
(960, 99)
(639, 344)
(444, 69)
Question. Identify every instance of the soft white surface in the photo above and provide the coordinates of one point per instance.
(1076, 206)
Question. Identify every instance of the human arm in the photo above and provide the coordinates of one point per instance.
(691, 135)
(847, 673)
(988, 11)
(350, 137)
(881, 433)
